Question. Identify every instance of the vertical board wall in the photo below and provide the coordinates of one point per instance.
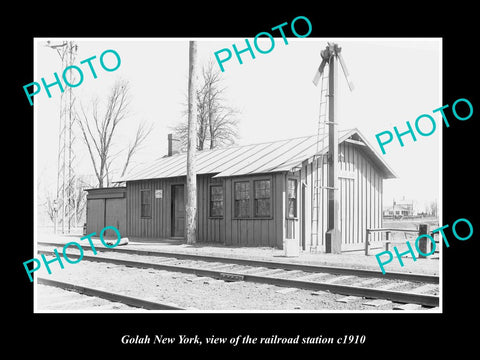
(361, 189)
(106, 207)
(225, 230)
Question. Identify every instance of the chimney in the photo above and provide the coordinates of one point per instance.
(173, 145)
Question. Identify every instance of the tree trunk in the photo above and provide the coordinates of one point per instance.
(191, 205)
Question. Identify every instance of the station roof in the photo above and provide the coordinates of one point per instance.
(267, 157)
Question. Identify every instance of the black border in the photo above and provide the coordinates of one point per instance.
(387, 334)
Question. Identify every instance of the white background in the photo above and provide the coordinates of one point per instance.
(396, 80)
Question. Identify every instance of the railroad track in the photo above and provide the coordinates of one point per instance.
(106, 295)
(403, 288)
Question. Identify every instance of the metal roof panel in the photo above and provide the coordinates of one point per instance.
(274, 156)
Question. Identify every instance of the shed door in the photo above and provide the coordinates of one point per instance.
(115, 215)
(95, 215)
(178, 210)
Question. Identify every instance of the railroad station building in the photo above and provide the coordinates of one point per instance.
(250, 195)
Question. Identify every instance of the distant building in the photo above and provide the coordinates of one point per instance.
(400, 208)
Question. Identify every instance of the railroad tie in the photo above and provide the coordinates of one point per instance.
(338, 278)
(268, 272)
(319, 292)
(165, 261)
(387, 286)
(287, 290)
(377, 302)
(253, 270)
(407, 307)
(348, 299)
(312, 276)
(370, 281)
(292, 273)
(219, 266)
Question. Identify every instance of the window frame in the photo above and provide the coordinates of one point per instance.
(142, 216)
(220, 185)
(249, 216)
(287, 215)
(251, 193)
(254, 199)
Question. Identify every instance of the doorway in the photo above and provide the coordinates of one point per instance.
(178, 211)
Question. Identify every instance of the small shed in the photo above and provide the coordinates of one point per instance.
(106, 207)
(259, 194)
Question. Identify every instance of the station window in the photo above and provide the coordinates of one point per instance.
(262, 198)
(216, 200)
(146, 203)
(292, 198)
(242, 199)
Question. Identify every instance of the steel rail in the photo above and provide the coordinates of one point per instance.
(431, 279)
(124, 299)
(397, 296)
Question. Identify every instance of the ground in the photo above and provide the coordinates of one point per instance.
(357, 260)
(210, 294)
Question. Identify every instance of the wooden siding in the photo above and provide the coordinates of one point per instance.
(254, 231)
(225, 230)
(106, 207)
(361, 189)
(115, 215)
(95, 215)
(159, 224)
(360, 186)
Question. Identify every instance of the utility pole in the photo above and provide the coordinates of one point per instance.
(191, 205)
(66, 199)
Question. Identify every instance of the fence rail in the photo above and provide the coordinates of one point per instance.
(422, 229)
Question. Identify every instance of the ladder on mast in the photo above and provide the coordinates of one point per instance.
(318, 161)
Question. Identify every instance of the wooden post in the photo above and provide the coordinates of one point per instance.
(387, 239)
(191, 205)
(424, 244)
(367, 242)
(333, 238)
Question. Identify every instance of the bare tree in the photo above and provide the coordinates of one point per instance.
(83, 182)
(217, 122)
(191, 206)
(98, 132)
(142, 133)
(50, 207)
(50, 204)
(433, 207)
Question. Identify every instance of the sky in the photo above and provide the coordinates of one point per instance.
(396, 80)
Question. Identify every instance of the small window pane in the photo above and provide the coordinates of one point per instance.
(292, 198)
(145, 203)
(216, 200)
(242, 199)
(262, 201)
(262, 207)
